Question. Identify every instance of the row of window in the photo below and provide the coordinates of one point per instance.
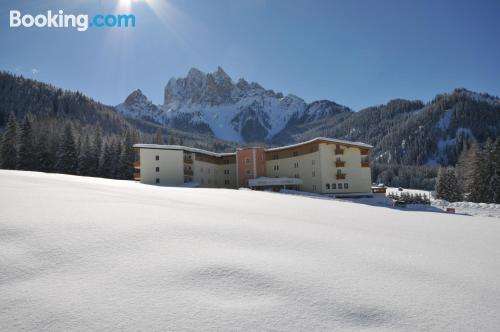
(295, 165)
(335, 186)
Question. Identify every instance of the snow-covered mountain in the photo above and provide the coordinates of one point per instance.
(235, 111)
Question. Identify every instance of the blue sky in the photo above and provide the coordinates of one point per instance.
(357, 53)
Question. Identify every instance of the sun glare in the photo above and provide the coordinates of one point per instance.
(124, 4)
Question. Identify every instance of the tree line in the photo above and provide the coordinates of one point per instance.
(62, 151)
(476, 176)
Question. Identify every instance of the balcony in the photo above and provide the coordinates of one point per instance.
(188, 172)
(137, 176)
(188, 161)
(339, 163)
(137, 164)
(340, 176)
(365, 164)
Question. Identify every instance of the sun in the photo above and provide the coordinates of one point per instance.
(124, 4)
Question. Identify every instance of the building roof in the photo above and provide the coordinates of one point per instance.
(183, 148)
(324, 139)
(215, 154)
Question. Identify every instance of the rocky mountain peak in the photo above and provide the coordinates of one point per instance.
(237, 111)
(135, 97)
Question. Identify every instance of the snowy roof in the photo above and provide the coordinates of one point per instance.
(183, 148)
(332, 140)
(215, 154)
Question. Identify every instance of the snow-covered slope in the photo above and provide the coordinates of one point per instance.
(234, 111)
(94, 254)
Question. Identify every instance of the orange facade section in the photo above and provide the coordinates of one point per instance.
(251, 163)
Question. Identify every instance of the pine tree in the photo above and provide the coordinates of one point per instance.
(106, 167)
(9, 144)
(45, 160)
(67, 159)
(127, 157)
(27, 157)
(171, 140)
(86, 161)
(495, 178)
(465, 168)
(158, 138)
(96, 154)
(116, 152)
(480, 188)
(447, 185)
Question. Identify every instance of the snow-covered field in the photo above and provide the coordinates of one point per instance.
(92, 254)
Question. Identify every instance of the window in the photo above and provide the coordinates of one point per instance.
(340, 185)
(339, 172)
(314, 187)
(346, 186)
(226, 161)
(295, 165)
(276, 167)
(327, 186)
(313, 173)
(313, 162)
(157, 169)
(208, 181)
(247, 161)
(202, 181)
(247, 172)
(296, 176)
(157, 157)
(227, 182)
(201, 169)
(295, 153)
(276, 157)
(334, 186)
(226, 171)
(157, 180)
(208, 171)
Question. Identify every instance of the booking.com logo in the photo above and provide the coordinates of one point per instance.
(60, 20)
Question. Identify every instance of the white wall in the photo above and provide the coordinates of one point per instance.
(171, 164)
(307, 165)
(358, 178)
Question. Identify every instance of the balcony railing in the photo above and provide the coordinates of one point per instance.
(339, 163)
(341, 176)
(137, 164)
(137, 176)
(365, 164)
(188, 172)
(188, 161)
(339, 151)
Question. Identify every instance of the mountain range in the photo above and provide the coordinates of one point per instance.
(407, 132)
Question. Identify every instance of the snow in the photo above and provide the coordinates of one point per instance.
(468, 208)
(94, 254)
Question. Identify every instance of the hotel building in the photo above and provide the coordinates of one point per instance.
(321, 165)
